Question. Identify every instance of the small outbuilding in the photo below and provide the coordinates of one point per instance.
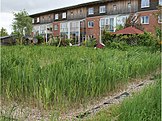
(8, 40)
(129, 30)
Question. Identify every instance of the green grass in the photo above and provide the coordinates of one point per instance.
(145, 106)
(60, 77)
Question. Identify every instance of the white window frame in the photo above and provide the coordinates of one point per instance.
(103, 9)
(64, 15)
(90, 26)
(37, 19)
(33, 20)
(56, 16)
(114, 7)
(129, 5)
(55, 27)
(160, 2)
(159, 19)
(144, 3)
(143, 20)
(90, 11)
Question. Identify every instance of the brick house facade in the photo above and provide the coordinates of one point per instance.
(87, 20)
(152, 20)
(93, 31)
(56, 29)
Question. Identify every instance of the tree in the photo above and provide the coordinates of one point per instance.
(22, 25)
(3, 32)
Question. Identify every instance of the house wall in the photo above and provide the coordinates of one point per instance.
(153, 20)
(122, 7)
(56, 33)
(95, 31)
(153, 5)
(46, 18)
(80, 12)
(77, 13)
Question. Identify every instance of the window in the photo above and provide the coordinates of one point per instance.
(114, 7)
(33, 20)
(55, 27)
(49, 18)
(64, 15)
(102, 9)
(71, 13)
(145, 3)
(160, 18)
(129, 5)
(90, 24)
(56, 16)
(37, 19)
(112, 24)
(160, 2)
(90, 11)
(80, 10)
(64, 27)
(144, 20)
(42, 19)
(102, 22)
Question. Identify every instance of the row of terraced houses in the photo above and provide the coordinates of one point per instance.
(88, 20)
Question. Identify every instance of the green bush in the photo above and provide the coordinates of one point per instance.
(53, 41)
(146, 39)
(118, 45)
(107, 37)
(40, 39)
(90, 43)
(119, 27)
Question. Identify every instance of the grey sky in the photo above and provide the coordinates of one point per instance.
(31, 6)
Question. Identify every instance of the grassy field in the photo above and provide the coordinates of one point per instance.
(145, 106)
(60, 77)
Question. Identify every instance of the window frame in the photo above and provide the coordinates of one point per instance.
(144, 17)
(55, 27)
(160, 2)
(159, 19)
(56, 16)
(102, 9)
(114, 7)
(38, 20)
(91, 11)
(64, 15)
(129, 5)
(145, 6)
(32, 20)
(90, 26)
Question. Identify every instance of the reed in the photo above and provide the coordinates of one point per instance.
(63, 76)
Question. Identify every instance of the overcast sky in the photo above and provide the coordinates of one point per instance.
(31, 6)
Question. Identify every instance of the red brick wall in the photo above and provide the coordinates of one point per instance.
(153, 20)
(56, 32)
(95, 31)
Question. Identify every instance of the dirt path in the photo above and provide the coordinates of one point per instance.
(116, 98)
(14, 111)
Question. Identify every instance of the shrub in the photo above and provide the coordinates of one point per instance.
(53, 41)
(90, 43)
(119, 45)
(146, 39)
(119, 27)
(40, 39)
(107, 37)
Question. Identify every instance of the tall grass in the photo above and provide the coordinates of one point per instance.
(144, 106)
(61, 76)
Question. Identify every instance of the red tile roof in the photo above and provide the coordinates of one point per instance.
(129, 30)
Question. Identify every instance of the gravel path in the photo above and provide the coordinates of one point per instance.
(115, 98)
